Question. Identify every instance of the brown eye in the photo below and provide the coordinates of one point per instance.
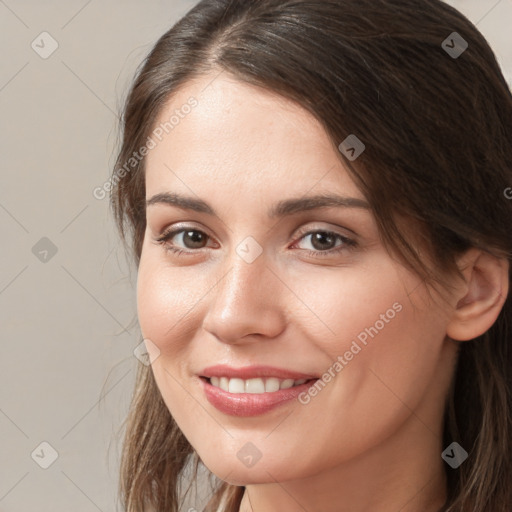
(322, 240)
(322, 243)
(194, 239)
(183, 239)
(325, 241)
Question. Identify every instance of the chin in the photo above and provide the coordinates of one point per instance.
(233, 470)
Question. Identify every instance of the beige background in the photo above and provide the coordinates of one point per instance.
(67, 323)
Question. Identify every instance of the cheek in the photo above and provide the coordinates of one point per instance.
(166, 302)
(379, 306)
(355, 304)
(165, 308)
(384, 342)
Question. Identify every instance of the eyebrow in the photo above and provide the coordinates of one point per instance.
(280, 209)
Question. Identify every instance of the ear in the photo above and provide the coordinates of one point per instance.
(481, 297)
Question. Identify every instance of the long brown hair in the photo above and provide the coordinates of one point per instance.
(437, 127)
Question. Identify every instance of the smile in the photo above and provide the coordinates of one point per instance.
(255, 386)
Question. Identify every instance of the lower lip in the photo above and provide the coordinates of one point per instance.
(251, 404)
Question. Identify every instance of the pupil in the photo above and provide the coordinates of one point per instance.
(322, 237)
(195, 238)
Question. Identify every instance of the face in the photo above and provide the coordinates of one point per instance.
(248, 281)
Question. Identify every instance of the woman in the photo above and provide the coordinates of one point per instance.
(314, 193)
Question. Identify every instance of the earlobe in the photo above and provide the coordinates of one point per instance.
(485, 291)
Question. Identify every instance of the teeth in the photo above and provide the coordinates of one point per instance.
(255, 386)
(288, 383)
(236, 386)
(224, 383)
(271, 385)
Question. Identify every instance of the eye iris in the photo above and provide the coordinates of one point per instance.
(193, 239)
(321, 237)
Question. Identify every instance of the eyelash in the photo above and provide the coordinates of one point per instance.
(346, 245)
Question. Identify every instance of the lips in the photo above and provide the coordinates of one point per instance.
(253, 390)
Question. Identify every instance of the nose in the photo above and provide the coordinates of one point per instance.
(245, 304)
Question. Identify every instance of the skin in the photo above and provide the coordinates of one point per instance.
(371, 439)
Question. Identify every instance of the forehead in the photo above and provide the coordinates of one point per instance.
(238, 136)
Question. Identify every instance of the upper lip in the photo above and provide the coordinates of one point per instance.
(253, 372)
